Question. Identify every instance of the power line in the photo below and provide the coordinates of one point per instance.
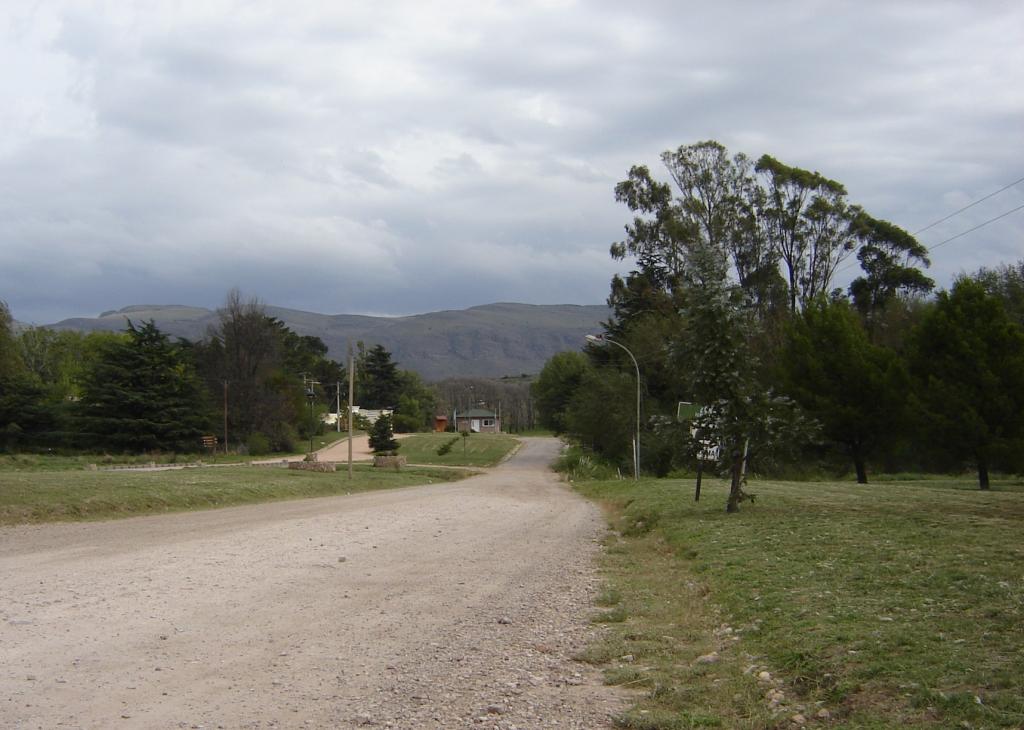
(955, 213)
(969, 205)
(970, 230)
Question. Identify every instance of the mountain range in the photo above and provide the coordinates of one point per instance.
(493, 340)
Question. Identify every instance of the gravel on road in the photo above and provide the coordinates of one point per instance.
(443, 606)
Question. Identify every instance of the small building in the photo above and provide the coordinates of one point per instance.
(477, 420)
(370, 415)
(440, 424)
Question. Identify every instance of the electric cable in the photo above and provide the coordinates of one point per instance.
(955, 213)
(970, 230)
(969, 205)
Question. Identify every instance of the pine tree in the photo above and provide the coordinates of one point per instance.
(141, 394)
(382, 438)
(379, 381)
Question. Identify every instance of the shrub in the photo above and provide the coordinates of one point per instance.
(283, 438)
(258, 444)
(406, 423)
(576, 464)
(446, 447)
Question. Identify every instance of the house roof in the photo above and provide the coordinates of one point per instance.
(476, 413)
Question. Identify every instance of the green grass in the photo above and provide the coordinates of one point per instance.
(327, 437)
(78, 462)
(898, 604)
(38, 496)
(480, 449)
(74, 462)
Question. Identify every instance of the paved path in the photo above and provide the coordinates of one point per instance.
(442, 606)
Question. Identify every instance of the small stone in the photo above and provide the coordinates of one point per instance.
(504, 620)
(798, 719)
(708, 658)
(31, 677)
(824, 715)
(342, 559)
(495, 710)
(764, 677)
(163, 637)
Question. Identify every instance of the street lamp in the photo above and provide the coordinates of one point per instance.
(600, 339)
(309, 384)
(311, 396)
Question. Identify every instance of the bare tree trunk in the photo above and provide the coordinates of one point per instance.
(700, 473)
(859, 465)
(983, 482)
(736, 488)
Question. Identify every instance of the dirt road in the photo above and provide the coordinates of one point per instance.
(338, 451)
(443, 606)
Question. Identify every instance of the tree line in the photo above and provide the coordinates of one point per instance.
(251, 379)
(732, 306)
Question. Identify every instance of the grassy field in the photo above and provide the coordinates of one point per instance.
(899, 604)
(45, 488)
(480, 449)
(78, 462)
(63, 462)
(47, 496)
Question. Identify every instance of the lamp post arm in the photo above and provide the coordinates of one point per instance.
(636, 447)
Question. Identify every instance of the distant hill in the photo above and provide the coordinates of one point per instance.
(492, 340)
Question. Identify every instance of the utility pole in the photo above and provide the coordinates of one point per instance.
(311, 395)
(351, 397)
(225, 417)
(337, 407)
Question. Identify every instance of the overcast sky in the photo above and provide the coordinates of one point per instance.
(403, 157)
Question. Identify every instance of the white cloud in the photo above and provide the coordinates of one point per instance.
(454, 153)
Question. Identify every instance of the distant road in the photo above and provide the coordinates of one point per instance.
(338, 451)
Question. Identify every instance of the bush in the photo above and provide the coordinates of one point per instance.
(405, 423)
(258, 444)
(446, 447)
(576, 464)
(283, 438)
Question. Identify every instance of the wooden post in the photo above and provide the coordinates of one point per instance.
(225, 417)
(351, 397)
